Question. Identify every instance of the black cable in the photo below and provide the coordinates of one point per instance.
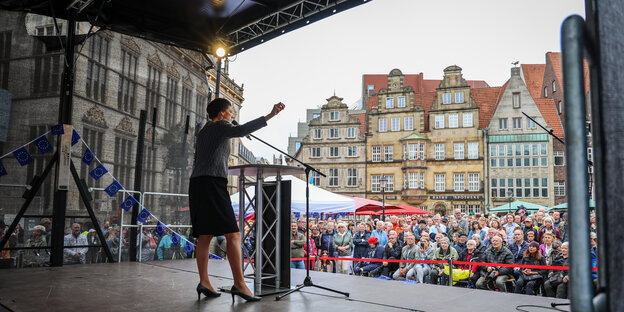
(518, 308)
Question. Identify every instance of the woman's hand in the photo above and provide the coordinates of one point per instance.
(276, 109)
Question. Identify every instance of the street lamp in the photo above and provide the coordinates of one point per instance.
(510, 195)
(382, 182)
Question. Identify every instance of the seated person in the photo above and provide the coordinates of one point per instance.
(391, 251)
(406, 270)
(425, 252)
(558, 280)
(493, 274)
(444, 252)
(530, 278)
(375, 251)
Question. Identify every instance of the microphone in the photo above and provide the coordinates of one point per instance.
(234, 122)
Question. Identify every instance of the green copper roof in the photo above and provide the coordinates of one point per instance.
(508, 138)
(413, 136)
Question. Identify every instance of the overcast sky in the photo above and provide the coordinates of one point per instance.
(304, 67)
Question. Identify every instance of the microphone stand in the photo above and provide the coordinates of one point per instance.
(307, 282)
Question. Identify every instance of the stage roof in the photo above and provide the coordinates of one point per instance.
(200, 25)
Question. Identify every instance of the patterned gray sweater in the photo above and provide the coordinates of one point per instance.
(213, 145)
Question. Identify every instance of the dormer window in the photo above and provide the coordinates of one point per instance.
(446, 98)
(459, 97)
(334, 116)
(545, 91)
(554, 88)
(516, 100)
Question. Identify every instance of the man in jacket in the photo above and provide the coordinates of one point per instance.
(360, 242)
(406, 270)
(297, 241)
(517, 248)
(392, 251)
(499, 275)
(444, 252)
(462, 221)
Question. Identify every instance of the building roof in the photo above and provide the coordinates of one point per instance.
(426, 101)
(555, 60)
(413, 136)
(533, 77)
(487, 99)
(362, 118)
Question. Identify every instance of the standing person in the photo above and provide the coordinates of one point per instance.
(380, 234)
(47, 224)
(297, 241)
(20, 234)
(343, 242)
(463, 222)
(312, 250)
(94, 242)
(32, 257)
(360, 241)
(209, 201)
(75, 255)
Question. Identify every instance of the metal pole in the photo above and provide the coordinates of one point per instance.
(581, 286)
(138, 173)
(450, 282)
(218, 83)
(278, 230)
(258, 224)
(121, 226)
(383, 203)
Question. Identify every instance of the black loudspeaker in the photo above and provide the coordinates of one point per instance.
(269, 243)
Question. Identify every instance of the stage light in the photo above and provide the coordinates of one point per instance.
(220, 52)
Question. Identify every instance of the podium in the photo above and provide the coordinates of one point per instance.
(270, 201)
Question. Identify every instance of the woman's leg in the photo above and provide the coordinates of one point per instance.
(235, 259)
(202, 254)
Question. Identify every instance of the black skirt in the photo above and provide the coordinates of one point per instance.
(210, 207)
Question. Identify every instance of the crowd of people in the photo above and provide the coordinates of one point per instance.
(515, 238)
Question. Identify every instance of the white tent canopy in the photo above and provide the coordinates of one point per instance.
(320, 199)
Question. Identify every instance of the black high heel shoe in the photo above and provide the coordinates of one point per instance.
(201, 289)
(237, 292)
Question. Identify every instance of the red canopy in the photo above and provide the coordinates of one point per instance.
(365, 204)
(405, 210)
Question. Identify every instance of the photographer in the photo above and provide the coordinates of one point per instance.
(492, 274)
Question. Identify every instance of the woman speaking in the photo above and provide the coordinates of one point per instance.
(209, 201)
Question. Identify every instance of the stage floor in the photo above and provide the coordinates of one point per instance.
(170, 286)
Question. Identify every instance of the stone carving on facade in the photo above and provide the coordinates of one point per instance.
(95, 116)
(173, 71)
(130, 44)
(125, 126)
(202, 90)
(154, 60)
(148, 136)
(188, 82)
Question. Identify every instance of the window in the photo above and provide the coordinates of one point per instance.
(333, 176)
(388, 153)
(458, 150)
(389, 187)
(493, 150)
(559, 159)
(333, 151)
(334, 133)
(123, 161)
(544, 187)
(473, 182)
(375, 185)
(559, 107)
(315, 152)
(413, 180)
(334, 116)
(352, 151)
(316, 179)
(588, 128)
(351, 132)
(460, 182)
(383, 124)
(376, 154)
(170, 101)
(446, 98)
(494, 190)
(47, 71)
(467, 120)
(126, 94)
(590, 154)
(439, 182)
(439, 121)
(396, 124)
(200, 107)
(517, 123)
(531, 124)
(453, 121)
(185, 109)
(317, 133)
(408, 123)
(473, 150)
(389, 102)
(352, 177)
(401, 101)
(516, 99)
(459, 97)
(422, 180)
(554, 88)
(439, 153)
(5, 55)
(422, 151)
(412, 151)
(502, 123)
(96, 72)
(559, 188)
(545, 91)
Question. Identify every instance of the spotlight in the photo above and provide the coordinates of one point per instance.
(220, 52)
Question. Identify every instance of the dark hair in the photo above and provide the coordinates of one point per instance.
(216, 106)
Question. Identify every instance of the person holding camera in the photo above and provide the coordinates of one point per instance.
(497, 253)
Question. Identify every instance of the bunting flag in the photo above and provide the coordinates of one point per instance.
(22, 156)
(175, 238)
(160, 229)
(58, 129)
(128, 203)
(2, 170)
(211, 256)
(98, 172)
(75, 137)
(189, 248)
(297, 215)
(113, 188)
(87, 157)
(143, 215)
(43, 144)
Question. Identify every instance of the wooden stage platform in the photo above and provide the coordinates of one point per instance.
(170, 286)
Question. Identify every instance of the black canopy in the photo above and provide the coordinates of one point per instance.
(201, 25)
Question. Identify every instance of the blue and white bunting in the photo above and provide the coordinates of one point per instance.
(113, 188)
(43, 144)
(88, 157)
(297, 215)
(22, 156)
(160, 229)
(175, 238)
(58, 129)
(189, 248)
(128, 203)
(143, 215)
(2, 170)
(75, 137)
(98, 172)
